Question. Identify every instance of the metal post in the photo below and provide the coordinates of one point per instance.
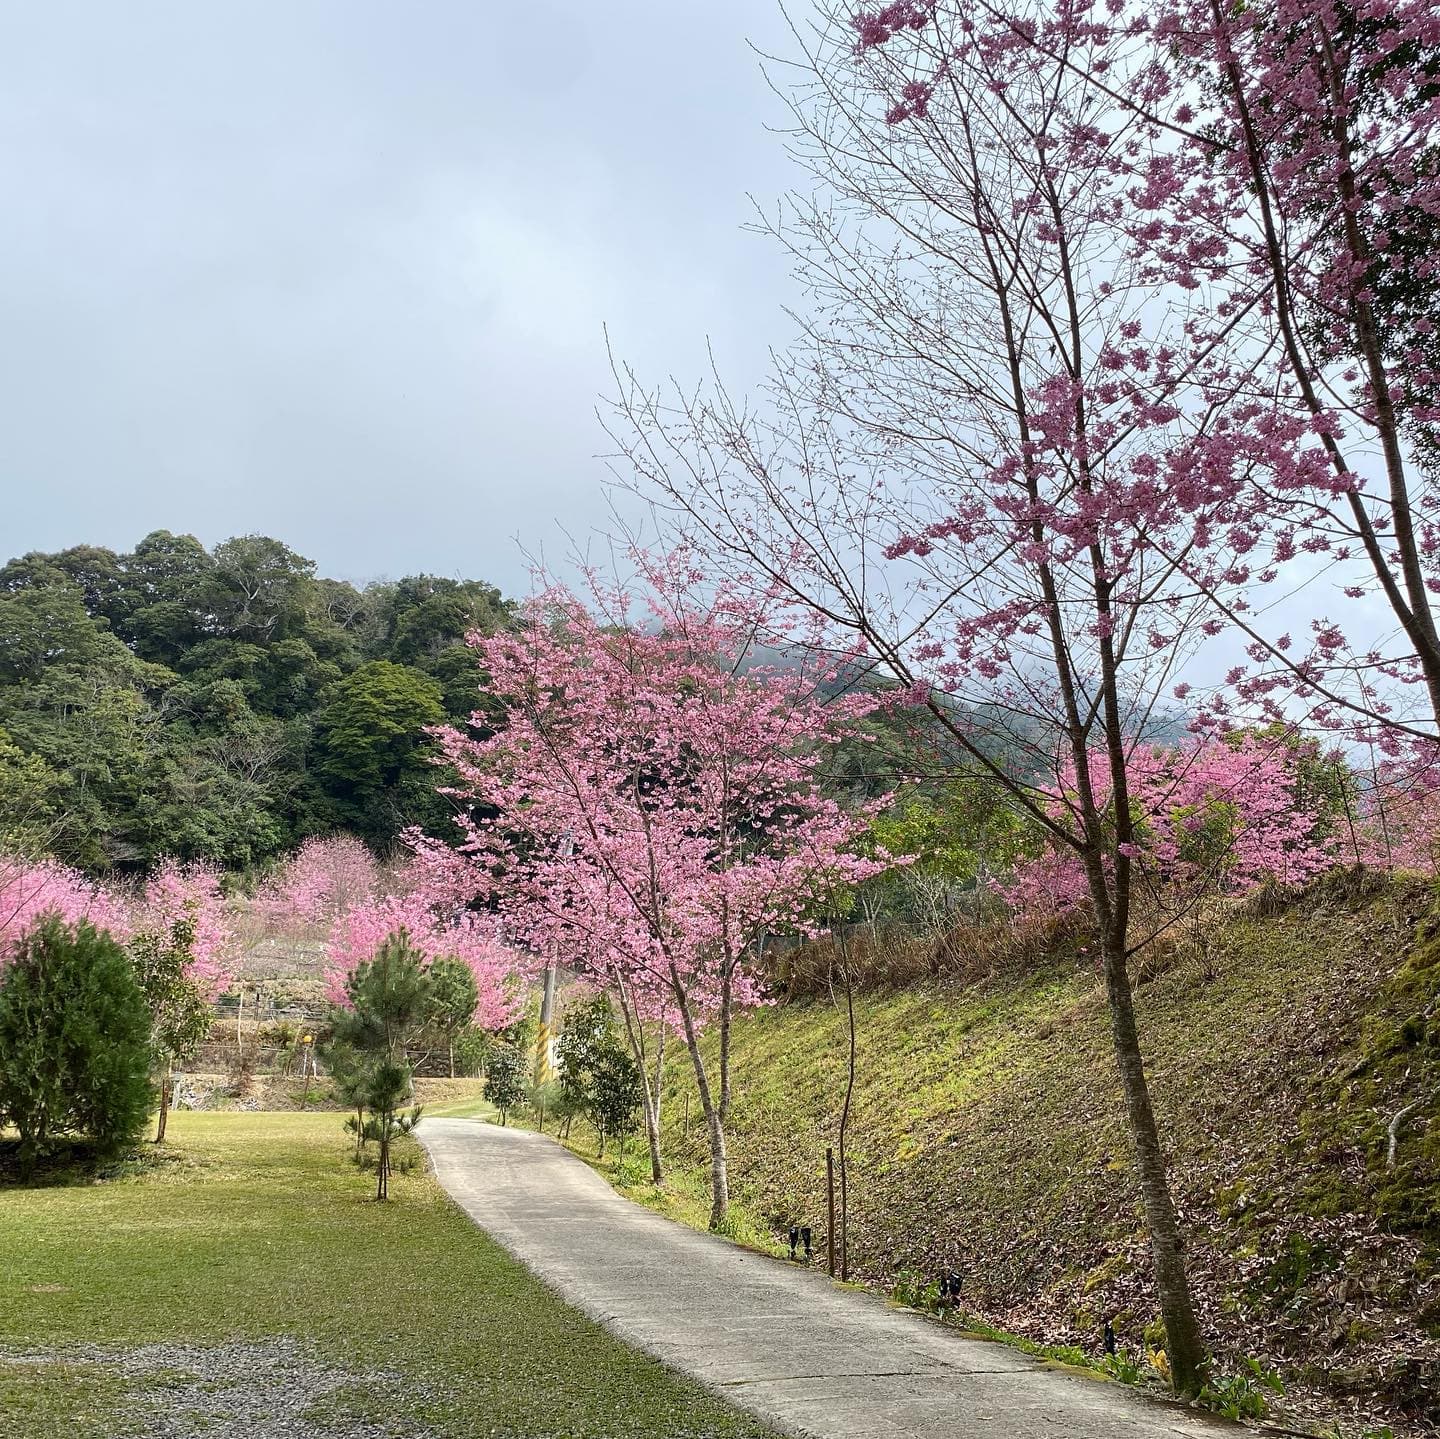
(830, 1208)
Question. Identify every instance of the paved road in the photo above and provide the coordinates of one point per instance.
(806, 1356)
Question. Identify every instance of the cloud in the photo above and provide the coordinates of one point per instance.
(338, 272)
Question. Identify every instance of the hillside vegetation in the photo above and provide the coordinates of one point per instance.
(222, 704)
(987, 1135)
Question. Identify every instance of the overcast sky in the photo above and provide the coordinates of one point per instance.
(338, 272)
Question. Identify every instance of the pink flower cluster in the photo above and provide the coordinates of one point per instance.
(173, 891)
(1211, 817)
(659, 802)
(333, 885)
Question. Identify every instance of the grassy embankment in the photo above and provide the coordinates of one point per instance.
(986, 1134)
(253, 1231)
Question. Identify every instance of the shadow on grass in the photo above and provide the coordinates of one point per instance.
(71, 1163)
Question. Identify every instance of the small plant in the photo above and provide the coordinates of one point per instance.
(388, 1089)
(915, 1290)
(1243, 1395)
(1121, 1366)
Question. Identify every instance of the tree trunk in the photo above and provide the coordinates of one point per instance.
(166, 1091)
(714, 1121)
(1182, 1334)
(719, 1169)
(452, 1058)
(715, 1130)
(651, 1110)
(382, 1168)
(649, 1101)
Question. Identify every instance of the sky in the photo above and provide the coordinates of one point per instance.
(341, 272)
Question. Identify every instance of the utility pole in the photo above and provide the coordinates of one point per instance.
(544, 1040)
(543, 1066)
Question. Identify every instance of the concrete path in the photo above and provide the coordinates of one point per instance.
(783, 1342)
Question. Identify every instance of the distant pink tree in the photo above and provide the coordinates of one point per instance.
(30, 889)
(325, 877)
(660, 807)
(175, 892)
(1394, 823)
(435, 930)
(1210, 817)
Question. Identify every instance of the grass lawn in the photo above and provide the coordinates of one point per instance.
(250, 1267)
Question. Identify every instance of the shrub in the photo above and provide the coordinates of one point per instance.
(75, 1052)
(505, 1078)
(472, 1045)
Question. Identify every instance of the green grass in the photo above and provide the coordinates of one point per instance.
(259, 1227)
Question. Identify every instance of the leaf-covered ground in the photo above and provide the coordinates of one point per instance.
(245, 1285)
(986, 1135)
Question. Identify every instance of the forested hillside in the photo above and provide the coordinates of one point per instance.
(222, 704)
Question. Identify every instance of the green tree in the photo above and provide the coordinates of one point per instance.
(453, 997)
(42, 628)
(32, 822)
(372, 756)
(505, 1075)
(598, 1076)
(388, 1086)
(958, 836)
(586, 1029)
(350, 1074)
(161, 599)
(390, 1004)
(615, 1094)
(472, 1048)
(180, 1014)
(75, 1049)
(422, 621)
(259, 589)
(389, 1000)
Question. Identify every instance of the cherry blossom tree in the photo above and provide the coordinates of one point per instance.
(31, 889)
(660, 809)
(1273, 173)
(1290, 149)
(326, 876)
(175, 892)
(963, 465)
(1212, 818)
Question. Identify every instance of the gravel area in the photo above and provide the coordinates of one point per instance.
(272, 1389)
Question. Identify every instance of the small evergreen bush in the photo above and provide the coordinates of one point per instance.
(75, 1051)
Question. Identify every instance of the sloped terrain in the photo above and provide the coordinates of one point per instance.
(986, 1135)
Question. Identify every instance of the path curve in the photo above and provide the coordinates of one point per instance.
(805, 1355)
